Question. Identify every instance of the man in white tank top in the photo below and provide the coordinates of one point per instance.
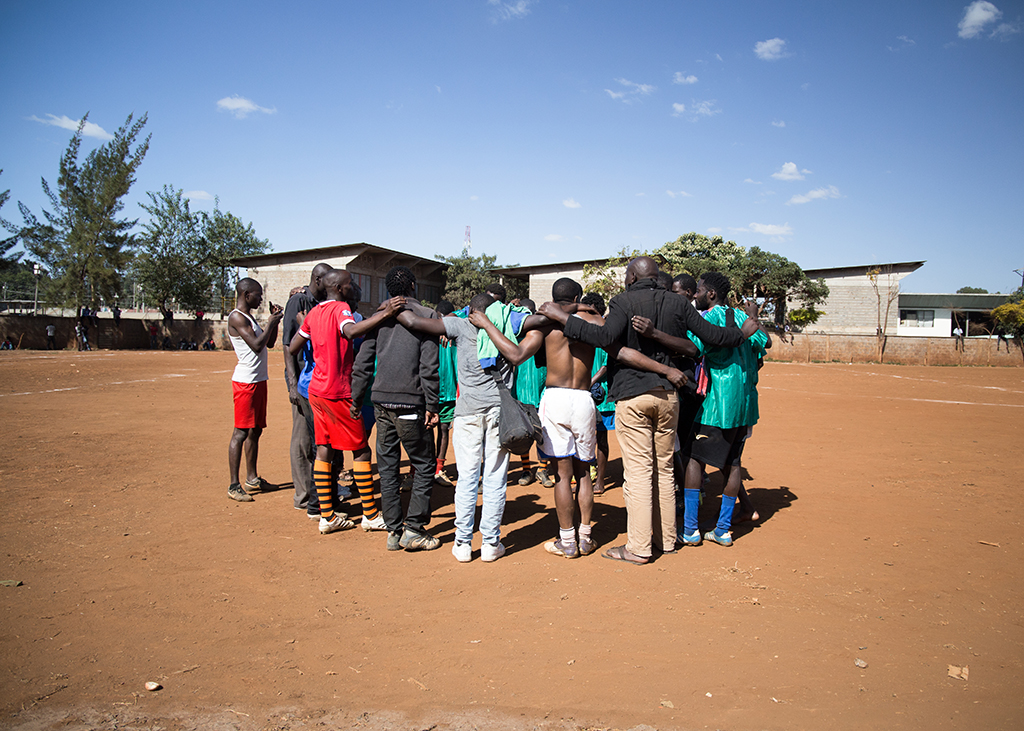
(249, 384)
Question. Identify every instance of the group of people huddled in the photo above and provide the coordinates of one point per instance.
(670, 367)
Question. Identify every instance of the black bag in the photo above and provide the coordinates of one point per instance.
(519, 423)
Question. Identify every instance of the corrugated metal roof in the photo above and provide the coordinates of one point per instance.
(951, 301)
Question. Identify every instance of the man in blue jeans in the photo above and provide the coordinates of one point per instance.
(405, 403)
(475, 431)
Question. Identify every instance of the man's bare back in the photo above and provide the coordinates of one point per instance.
(569, 362)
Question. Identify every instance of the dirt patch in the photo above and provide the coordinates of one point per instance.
(890, 534)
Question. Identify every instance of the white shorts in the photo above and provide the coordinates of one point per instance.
(569, 421)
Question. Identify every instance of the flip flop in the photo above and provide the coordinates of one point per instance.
(618, 553)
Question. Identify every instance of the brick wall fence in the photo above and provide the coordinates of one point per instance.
(29, 331)
(903, 351)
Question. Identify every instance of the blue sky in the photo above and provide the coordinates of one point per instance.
(860, 133)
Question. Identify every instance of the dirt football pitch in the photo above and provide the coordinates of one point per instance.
(882, 588)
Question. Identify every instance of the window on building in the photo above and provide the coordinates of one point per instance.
(363, 282)
(917, 318)
(382, 290)
(431, 294)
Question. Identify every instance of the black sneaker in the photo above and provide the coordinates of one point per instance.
(235, 492)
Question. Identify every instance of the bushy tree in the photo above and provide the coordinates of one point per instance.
(183, 253)
(84, 242)
(469, 275)
(694, 254)
(606, 278)
(972, 290)
(7, 261)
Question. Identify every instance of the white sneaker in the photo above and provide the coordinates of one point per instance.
(491, 552)
(463, 552)
(375, 524)
(338, 522)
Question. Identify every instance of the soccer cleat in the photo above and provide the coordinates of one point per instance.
(722, 540)
(562, 548)
(442, 479)
(235, 492)
(375, 524)
(545, 480)
(338, 522)
(463, 552)
(527, 478)
(491, 552)
(394, 541)
(414, 540)
(693, 539)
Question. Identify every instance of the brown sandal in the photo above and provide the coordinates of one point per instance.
(619, 553)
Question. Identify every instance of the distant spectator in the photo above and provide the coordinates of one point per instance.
(7, 344)
(209, 345)
(51, 337)
(958, 333)
(199, 315)
(116, 312)
(154, 336)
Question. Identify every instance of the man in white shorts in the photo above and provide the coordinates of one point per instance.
(567, 412)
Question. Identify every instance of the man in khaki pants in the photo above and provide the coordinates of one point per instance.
(647, 408)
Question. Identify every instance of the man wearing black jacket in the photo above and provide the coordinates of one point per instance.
(647, 407)
(405, 404)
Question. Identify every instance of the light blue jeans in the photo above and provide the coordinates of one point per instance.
(475, 440)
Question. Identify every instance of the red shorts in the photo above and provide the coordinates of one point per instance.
(250, 404)
(334, 426)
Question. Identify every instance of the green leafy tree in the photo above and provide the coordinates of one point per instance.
(972, 290)
(84, 242)
(7, 261)
(606, 278)
(1009, 318)
(769, 278)
(469, 275)
(694, 254)
(183, 254)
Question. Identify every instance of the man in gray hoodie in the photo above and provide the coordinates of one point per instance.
(405, 403)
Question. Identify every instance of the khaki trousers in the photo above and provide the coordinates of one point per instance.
(646, 428)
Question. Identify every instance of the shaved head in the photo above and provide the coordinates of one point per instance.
(643, 267)
(316, 280)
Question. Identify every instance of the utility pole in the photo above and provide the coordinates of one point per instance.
(35, 298)
(1015, 271)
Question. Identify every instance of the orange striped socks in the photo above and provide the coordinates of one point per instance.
(324, 488)
(364, 483)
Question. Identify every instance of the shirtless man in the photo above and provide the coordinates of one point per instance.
(567, 413)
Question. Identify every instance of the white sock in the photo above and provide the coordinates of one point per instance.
(584, 530)
(567, 535)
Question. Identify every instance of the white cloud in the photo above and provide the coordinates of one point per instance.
(678, 109)
(241, 107)
(509, 11)
(631, 92)
(640, 195)
(705, 108)
(680, 78)
(570, 203)
(198, 195)
(718, 56)
(771, 229)
(714, 230)
(1004, 30)
(90, 129)
(474, 197)
(554, 237)
(771, 50)
(816, 194)
(905, 42)
(438, 88)
(789, 171)
(780, 123)
(804, 87)
(976, 16)
(681, 194)
(752, 181)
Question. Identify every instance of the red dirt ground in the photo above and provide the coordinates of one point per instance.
(890, 533)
